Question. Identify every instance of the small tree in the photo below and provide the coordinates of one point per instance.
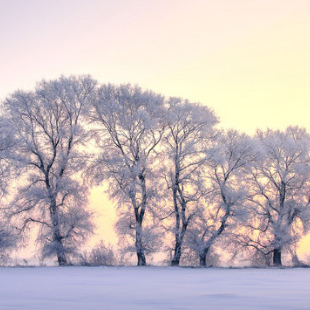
(48, 124)
(129, 128)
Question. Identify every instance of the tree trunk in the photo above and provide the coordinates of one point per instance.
(277, 257)
(141, 259)
(179, 237)
(59, 248)
(177, 247)
(203, 258)
(61, 257)
(139, 246)
(57, 238)
(177, 254)
(180, 227)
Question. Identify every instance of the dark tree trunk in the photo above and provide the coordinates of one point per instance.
(277, 257)
(61, 257)
(60, 251)
(179, 237)
(139, 216)
(203, 258)
(177, 254)
(180, 228)
(178, 245)
(175, 261)
(139, 246)
(57, 238)
(141, 259)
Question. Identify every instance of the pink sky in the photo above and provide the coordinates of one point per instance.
(247, 59)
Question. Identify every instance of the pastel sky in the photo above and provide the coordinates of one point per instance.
(246, 59)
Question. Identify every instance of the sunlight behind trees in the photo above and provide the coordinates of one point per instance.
(245, 60)
(176, 183)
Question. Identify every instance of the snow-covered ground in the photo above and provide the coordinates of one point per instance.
(105, 288)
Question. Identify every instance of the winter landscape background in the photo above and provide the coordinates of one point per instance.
(225, 180)
(246, 61)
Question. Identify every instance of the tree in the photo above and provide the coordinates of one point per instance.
(225, 168)
(8, 235)
(7, 142)
(280, 192)
(189, 130)
(48, 124)
(129, 127)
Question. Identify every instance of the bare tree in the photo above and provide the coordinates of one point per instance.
(48, 124)
(129, 123)
(280, 192)
(230, 156)
(189, 131)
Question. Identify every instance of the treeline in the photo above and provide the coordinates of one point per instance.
(183, 186)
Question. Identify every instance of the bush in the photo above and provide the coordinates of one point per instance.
(101, 255)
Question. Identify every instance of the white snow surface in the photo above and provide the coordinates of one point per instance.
(87, 288)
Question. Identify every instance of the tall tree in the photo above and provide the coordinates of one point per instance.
(225, 171)
(189, 132)
(129, 124)
(280, 192)
(48, 124)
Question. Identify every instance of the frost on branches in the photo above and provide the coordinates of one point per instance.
(189, 131)
(225, 187)
(50, 128)
(180, 184)
(280, 191)
(8, 233)
(129, 129)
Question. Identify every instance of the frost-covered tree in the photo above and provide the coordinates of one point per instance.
(8, 233)
(189, 130)
(7, 142)
(280, 192)
(228, 159)
(129, 127)
(49, 126)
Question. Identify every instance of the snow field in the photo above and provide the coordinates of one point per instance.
(120, 288)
